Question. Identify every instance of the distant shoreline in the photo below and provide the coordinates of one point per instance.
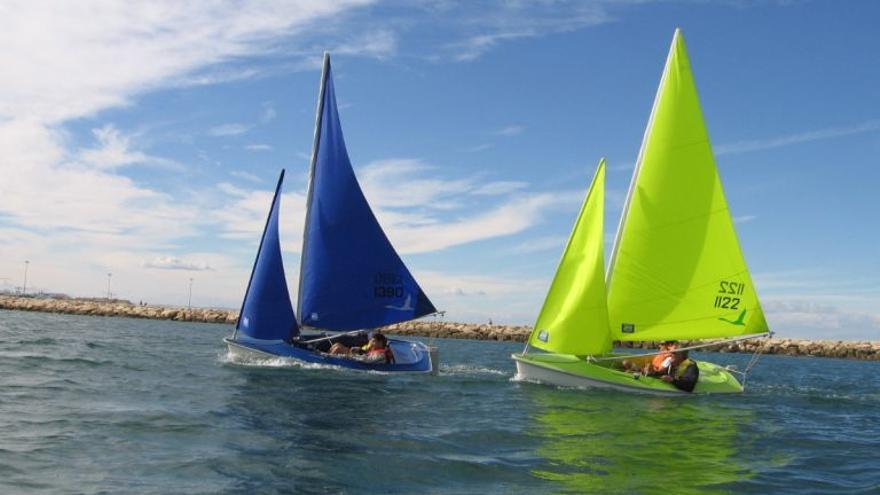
(862, 350)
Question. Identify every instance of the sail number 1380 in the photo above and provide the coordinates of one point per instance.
(726, 294)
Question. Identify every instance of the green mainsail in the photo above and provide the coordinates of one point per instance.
(677, 271)
(574, 318)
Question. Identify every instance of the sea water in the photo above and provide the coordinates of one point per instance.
(115, 405)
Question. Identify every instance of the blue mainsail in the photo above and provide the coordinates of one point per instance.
(351, 276)
(266, 312)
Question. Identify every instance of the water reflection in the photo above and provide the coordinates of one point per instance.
(606, 442)
(302, 430)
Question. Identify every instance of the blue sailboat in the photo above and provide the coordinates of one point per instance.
(351, 278)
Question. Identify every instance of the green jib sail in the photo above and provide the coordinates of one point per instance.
(677, 271)
(574, 319)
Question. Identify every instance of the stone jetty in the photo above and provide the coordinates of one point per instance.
(117, 307)
(428, 327)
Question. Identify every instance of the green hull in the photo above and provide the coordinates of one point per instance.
(570, 370)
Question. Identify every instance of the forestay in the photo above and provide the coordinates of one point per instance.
(351, 275)
(677, 271)
(574, 318)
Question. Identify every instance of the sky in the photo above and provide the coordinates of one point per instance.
(144, 139)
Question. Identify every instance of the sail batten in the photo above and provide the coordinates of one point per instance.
(574, 318)
(351, 276)
(677, 271)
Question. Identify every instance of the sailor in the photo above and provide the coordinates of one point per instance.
(661, 362)
(652, 367)
(376, 350)
(683, 373)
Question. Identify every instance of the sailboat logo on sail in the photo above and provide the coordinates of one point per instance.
(741, 320)
(407, 305)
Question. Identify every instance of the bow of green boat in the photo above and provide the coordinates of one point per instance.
(572, 371)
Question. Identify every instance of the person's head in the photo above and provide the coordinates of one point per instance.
(378, 341)
(669, 345)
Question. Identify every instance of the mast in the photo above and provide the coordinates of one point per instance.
(639, 159)
(259, 252)
(319, 113)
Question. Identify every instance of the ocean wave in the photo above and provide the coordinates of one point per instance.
(277, 362)
(40, 341)
(468, 369)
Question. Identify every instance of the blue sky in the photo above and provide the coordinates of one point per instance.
(145, 140)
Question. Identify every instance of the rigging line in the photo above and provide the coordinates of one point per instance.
(753, 361)
(700, 346)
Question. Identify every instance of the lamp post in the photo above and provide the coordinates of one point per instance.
(109, 276)
(24, 285)
(190, 299)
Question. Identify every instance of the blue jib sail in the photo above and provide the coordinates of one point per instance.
(266, 312)
(352, 277)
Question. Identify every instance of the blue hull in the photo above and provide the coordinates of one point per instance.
(410, 356)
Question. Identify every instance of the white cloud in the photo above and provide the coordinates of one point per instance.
(475, 46)
(499, 188)
(744, 219)
(397, 183)
(804, 137)
(228, 130)
(414, 210)
(552, 243)
(478, 148)
(511, 21)
(258, 147)
(244, 215)
(245, 175)
(76, 198)
(811, 319)
(174, 263)
(113, 150)
(378, 44)
(508, 218)
(72, 60)
(269, 113)
(106, 52)
(511, 130)
(812, 303)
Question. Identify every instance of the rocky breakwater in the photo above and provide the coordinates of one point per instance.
(790, 347)
(450, 330)
(99, 307)
(433, 328)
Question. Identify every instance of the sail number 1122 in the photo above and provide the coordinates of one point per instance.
(726, 291)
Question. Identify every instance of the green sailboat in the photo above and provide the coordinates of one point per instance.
(676, 269)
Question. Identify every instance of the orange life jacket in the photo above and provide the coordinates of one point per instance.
(389, 356)
(657, 362)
